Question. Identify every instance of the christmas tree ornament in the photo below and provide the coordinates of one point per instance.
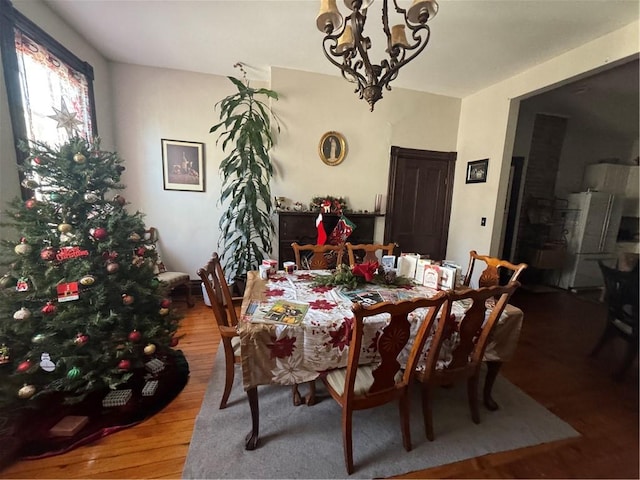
(68, 291)
(112, 267)
(23, 248)
(79, 158)
(46, 364)
(91, 197)
(140, 251)
(22, 314)
(87, 280)
(7, 281)
(135, 237)
(81, 339)
(49, 309)
(73, 373)
(163, 311)
(30, 203)
(5, 356)
(127, 299)
(29, 184)
(165, 303)
(23, 366)
(40, 161)
(48, 254)
(38, 338)
(54, 197)
(67, 237)
(137, 261)
(124, 364)
(26, 392)
(174, 341)
(135, 336)
(22, 284)
(99, 233)
(154, 282)
(119, 200)
(65, 228)
(150, 349)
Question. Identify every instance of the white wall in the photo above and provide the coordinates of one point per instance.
(312, 104)
(152, 103)
(487, 126)
(44, 17)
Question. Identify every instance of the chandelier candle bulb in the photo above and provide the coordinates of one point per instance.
(398, 37)
(345, 41)
(329, 18)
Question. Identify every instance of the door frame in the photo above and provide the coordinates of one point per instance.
(401, 152)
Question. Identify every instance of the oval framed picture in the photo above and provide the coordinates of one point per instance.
(332, 148)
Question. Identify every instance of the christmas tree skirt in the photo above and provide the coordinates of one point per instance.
(41, 433)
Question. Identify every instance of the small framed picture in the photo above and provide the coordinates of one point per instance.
(477, 171)
(183, 165)
(332, 148)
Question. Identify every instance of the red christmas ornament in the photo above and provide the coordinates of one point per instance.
(140, 251)
(135, 336)
(124, 364)
(81, 339)
(49, 309)
(120, 200)
(174, 341)
(30, 203)
(47, 254)
(99, 233)
(165, 303)
(127, 299)
(23, 366)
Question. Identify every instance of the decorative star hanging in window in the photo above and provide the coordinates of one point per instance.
(65, 118)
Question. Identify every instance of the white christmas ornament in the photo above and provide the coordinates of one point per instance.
(46, 364)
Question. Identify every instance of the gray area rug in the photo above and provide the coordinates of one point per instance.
(306, 442)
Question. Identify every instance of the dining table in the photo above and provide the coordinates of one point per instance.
(293, 328)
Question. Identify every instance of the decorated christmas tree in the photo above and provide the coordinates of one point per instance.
(80, 307)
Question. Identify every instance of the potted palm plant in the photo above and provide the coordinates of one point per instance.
(247, 133)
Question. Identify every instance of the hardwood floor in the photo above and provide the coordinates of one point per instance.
(551, 365)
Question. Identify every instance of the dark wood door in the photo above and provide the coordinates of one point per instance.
(419, 200)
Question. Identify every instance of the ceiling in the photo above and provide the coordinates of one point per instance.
(474, 43)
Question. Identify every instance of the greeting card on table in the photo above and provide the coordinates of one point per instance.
(282, 311)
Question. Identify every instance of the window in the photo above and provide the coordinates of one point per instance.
(50, 90)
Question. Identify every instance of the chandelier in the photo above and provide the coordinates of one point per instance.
(346, 46)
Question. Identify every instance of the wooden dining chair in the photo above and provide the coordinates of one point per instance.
(491, 274)
(456, 351)
(223, 306)
(322, 257)
(359, 387)
(169, 279)
(370, 252)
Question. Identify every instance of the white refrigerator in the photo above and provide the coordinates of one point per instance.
(592, 222)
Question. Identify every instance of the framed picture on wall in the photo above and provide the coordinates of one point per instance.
(332, 148)
(183, 165)
(477, 171)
